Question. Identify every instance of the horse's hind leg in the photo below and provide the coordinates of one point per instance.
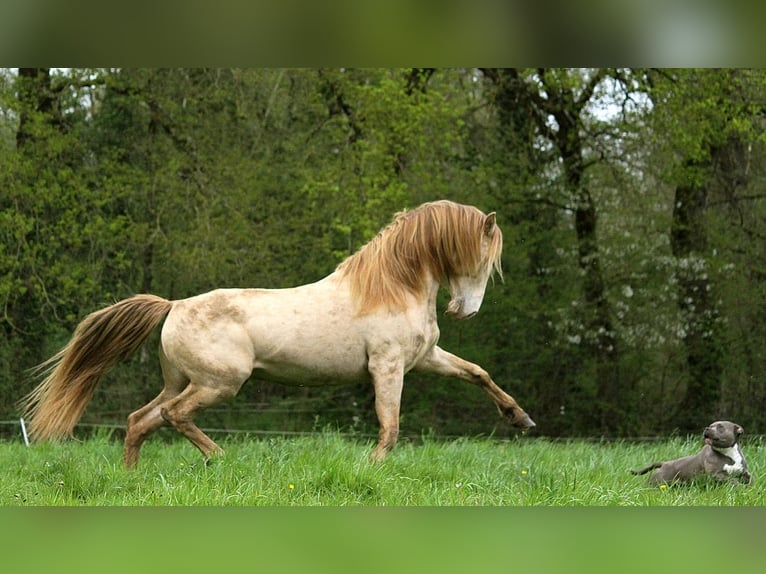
(142, 422)
(180, 412)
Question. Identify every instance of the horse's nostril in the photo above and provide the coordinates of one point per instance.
(455, 308)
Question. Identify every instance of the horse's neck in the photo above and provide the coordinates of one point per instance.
(432, 290)
(427, 301)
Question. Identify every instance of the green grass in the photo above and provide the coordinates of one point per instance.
(329, 469)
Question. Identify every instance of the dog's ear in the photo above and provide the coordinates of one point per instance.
(739, 430)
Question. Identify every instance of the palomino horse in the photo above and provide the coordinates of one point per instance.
(373, 319)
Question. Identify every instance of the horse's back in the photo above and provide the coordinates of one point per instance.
(301, 335)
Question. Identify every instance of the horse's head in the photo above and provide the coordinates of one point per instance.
(467, 288)
(438, 243)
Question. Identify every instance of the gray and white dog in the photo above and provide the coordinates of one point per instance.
(721, 458)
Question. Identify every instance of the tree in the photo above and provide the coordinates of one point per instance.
(706, 118)
(553, 103)
(634, 290)
(51, 258)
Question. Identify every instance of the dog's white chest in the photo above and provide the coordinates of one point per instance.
(733, 453)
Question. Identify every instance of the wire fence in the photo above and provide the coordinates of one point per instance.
(10, 429)
(15, 427)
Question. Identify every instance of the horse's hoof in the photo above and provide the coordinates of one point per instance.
(525, 422)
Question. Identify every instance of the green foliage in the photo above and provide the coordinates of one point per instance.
(177, 181)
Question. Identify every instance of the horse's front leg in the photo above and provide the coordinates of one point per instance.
(387, 374)
(444, 363)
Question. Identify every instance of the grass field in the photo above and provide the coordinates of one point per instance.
(328, 469)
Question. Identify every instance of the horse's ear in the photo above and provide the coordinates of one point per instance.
(489, 224)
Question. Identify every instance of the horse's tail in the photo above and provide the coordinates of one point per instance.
(100, 341)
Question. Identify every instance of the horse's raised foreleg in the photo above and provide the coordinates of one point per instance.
(444, 363)
(387, 377)
(181, 410)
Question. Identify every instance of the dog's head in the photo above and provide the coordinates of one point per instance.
(722, 434)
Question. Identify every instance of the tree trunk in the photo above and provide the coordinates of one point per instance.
(600, 340)
(522, 107)
(723, 174)
(35, 103)
(688, 241)
(37, 106)
(36, 97)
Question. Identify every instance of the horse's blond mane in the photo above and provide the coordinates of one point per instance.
(441, 237)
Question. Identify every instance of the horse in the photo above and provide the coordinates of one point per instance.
(372, 319)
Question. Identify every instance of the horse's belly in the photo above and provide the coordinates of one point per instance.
(322, 370)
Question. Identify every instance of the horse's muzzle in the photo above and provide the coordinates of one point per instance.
(455, 310)
(459, 315)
